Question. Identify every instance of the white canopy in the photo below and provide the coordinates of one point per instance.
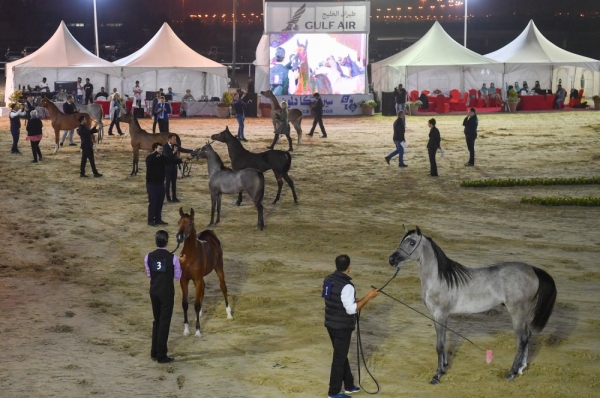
(62, 58)
(436, 52)
(166, 61)
(261, 75)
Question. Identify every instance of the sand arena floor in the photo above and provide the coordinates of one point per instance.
(74, 307)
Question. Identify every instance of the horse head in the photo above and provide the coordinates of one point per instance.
(203, 152)
(127, 118)
(267, 93)
(301, 50)
(410, 248)
(222, 136)
(44, 102)
(185, 225)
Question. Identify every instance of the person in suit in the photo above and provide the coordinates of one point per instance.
(470, 123)
(171, 150)
(163, 110)
(399, 130)
(88, 90)
(432, 146)
(115, 112)
(87, 147)
(161, 267)
(68, 109)
(154, 105)
(317, 107)
(34, 135)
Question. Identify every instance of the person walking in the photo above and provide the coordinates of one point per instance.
(161, 267)
(470, 124)
(15, 126)
(432, 146)
(163, 110)
(155, 183)
(399, 140)
(240, 106)
(68, 109)
(341, 308)
(34, 135)
(284, 126)
(115, 114)
(88, 90)
(87, 147)
(317, 107)
(171, 150)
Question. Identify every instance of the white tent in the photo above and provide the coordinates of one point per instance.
(166, 61)
(436, 61)
(262, 61)
(62, 58)
(532, 57)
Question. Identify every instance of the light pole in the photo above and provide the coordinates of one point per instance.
(233, 82)
(466, 1)
(96, 30)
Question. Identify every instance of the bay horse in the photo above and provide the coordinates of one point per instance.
(309, 83)
(278, 161)
(201, 254)
(294, 115)
(141, 139)
(60, 121)
(448, 287)
(224, 180)
(96, 112)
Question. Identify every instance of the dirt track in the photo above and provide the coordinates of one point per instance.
(74, 309)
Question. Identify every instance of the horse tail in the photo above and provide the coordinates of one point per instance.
(546, 297)
(261, 192)
(178, 141)
(288, 162)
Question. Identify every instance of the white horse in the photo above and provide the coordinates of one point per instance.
(96, 112)
(341, 84)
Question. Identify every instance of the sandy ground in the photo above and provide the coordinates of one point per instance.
(74, 307)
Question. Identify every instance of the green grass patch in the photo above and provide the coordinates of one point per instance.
(517, 182)
(561, 201)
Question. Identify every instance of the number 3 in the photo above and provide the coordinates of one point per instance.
(158, 265)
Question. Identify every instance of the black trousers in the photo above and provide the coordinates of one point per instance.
(15, 137)
(138, 103)
(471, 147)
(277, 137)
(89, 100)
(115, 122)
(154, 124)
(340, 367)
(432, 163)
(35, 149)
(319, 120)
(163, 125)
(171, 181)
(87, 153)
(156, 197)
(162, 309)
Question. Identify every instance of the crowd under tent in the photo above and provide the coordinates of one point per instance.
(166, 61)
(436, 61)
(532, 57)
(61, 58)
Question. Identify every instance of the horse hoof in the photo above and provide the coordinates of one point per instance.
(238, 203)
(510, 376)
(274, 202)
(186, 333)
(198, 334)
(434, 381)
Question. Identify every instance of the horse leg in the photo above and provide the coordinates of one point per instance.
(279, 186)
(261, 222)
(198, 304)
(221, 275)
(522, 334)
(56, 139)
(184, 303)
(289, 181)
(218, 208)
(213, 204)
(440, 347)
(298, 128)
(136, 157)
(239, 201)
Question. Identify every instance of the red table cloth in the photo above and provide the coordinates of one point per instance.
(536, 102)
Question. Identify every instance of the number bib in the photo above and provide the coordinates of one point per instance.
(158, 265)
(327, 286)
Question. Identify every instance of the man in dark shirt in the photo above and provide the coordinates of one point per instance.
(68, 109)
(87, 147)
(432, 146)
(317, 107)
(154, 104)
(401, 99)
(171, 151)
(155, 183)
(88, 90)
(101, 94)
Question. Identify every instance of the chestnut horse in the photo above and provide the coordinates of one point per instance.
(201, 254)
(294, 115)
(60, 121)
(141, 139)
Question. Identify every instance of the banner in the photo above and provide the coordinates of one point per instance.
(334, 105)
(349, 17)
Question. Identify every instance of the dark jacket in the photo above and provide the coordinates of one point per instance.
(34, 127)
(336, 316)
(86, 136)
(402, 96)
(165, 113)
(423, 98)
(239, 106)
(434, 139)
(69, 109)
(155, 167)
(88, 88)
(318, 107)
(399, 130)
(471, 126)
(162, 271)
(168, 152)
(154, 103)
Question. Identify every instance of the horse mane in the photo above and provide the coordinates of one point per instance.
(453, 273)
(222, 165)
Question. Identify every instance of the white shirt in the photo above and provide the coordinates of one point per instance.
(79, 89)
(348, 299)
(137, 92)
(44, 86)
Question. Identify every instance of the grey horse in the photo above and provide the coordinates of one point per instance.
(96, 112)
(224, 180)
(448, 287)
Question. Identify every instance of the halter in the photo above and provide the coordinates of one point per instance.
(415, 248)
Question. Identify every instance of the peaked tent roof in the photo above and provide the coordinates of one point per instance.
(61, 51)
(164, 51)
(531, 47)
(435, 49)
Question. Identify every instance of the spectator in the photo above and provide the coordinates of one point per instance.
(188, 96)
(154, 104)
(88, 89)
(15, 127)
(68, 109)
(432, 146)
(137, 94)
(115, 112)
(102, 95)
(561, 94)
(471, 123)
(493, 95)
(44, 86)
(29, 106)
(250, 86)
(163, 110)
(424, 100)
(525, 87)
(115, 92)
(401, 101)
(34, 135)
(79, 92)
(485, 95)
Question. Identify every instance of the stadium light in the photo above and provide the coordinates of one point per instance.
(96, 30)
(466, 1)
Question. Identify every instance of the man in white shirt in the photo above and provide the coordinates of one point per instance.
(79, 94)
(137, 94)
(44, 86)
(341, 307)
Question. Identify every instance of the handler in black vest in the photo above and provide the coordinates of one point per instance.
(341, 307)
(162, 267)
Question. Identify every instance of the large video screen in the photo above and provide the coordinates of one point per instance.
(303, 64)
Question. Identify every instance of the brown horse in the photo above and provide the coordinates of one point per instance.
(201, 254)
(294, 115)
(60, 121)
(141, 139)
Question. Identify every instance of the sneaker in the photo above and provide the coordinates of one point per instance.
(387, 160)
(340, 395)
(352, 390)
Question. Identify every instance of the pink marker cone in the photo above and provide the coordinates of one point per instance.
(489, 356)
